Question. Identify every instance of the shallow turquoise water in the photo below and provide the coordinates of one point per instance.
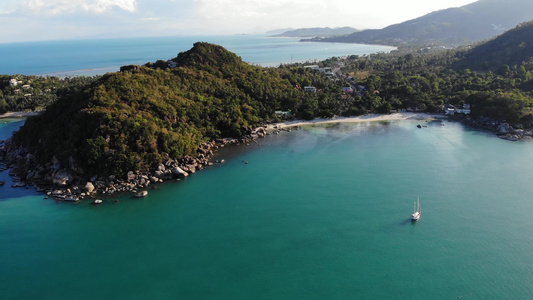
(321, 213)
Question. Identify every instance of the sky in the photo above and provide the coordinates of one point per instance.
(36, 20)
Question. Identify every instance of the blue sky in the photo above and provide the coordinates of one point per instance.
(31, 20)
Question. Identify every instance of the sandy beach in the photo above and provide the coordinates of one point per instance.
(360, 119)
(20, 114)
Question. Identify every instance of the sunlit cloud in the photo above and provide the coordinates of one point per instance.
(218, 9)
(56, 7)
(151, 19)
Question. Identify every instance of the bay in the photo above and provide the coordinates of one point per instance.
(94, 57)
(319, 213)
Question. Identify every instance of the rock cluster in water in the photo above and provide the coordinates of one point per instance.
(63, 181)
(504, 130)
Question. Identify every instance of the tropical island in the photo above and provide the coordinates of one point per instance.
(162, 121)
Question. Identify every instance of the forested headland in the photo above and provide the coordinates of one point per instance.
(139, 118)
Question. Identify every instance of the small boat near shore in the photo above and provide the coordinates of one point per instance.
(416, 210)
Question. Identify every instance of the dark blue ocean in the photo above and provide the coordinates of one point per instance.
(92, 57)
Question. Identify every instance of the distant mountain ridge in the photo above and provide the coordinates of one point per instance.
(462, 25)
(317, 32)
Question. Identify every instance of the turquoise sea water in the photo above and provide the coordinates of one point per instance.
(91, 57)
(320, 213)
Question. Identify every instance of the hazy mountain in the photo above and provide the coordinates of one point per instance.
(317, 32)
(278, 31)
(477, 21)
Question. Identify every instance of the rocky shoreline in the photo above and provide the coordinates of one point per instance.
(504, 130)
(62, 181)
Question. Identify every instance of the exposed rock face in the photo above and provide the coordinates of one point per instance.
(131, 68)
(179, 172)
(510, 137)
(141, 194)
(65, 181)
(503, 128)
(131, 176)
(89, 187)
(63, 177)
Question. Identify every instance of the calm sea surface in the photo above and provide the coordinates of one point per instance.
(91, 57)
(320, 213)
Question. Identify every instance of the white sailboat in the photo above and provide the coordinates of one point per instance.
(416, 210)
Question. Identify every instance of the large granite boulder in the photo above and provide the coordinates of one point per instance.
(131, 176)
(89, 187)
(63, 177)
(177, 171)
(503, 128)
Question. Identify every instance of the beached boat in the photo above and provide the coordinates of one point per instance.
(416, 210)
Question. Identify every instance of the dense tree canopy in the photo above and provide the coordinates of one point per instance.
(136, 118)
(20, 92)
(132, 120)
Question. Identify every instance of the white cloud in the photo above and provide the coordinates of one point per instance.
(227, 9)
(151, 19)
(7, 7)
(56, 7)
(89, 18)
(100, 6)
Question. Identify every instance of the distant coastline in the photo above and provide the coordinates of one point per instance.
(87, 58)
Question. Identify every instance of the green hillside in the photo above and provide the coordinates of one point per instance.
(134, 120)
(509, 49)
(494, 78)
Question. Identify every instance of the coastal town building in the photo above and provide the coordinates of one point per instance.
(452, 110)
(310, 89)
(347, 90)
(326, 70)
